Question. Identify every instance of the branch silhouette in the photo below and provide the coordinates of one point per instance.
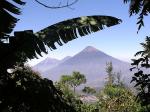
(59, 6)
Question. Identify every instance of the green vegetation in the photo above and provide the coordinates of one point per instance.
(73, 80)
(88, 90)
(25, 91)
(113, 97)
(111, 75)
(70, 97)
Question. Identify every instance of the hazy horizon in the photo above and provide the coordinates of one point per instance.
(36, 61)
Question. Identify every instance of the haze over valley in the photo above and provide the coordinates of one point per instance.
(90, 61)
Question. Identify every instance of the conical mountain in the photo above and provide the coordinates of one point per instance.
(92, 63)
(87, 56)
(90, 49)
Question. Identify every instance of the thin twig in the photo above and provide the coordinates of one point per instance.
(57, 7)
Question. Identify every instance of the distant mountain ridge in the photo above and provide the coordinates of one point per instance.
(48, 63)
(91, 62)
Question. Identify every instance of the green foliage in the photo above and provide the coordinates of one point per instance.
(69, 96)
(78, 78)
(111, 75)
(25, 91)
(85, 107)
(74, 80)
(74, 100)
(118, 79)
(114, 98)
(67, 92)
(66, 79)
(89, 90)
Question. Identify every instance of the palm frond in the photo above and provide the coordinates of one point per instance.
(19, 2)
(126, 1)
(8, 21)
(27, 43)
(68, 30)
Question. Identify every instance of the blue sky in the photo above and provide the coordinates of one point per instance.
(120, 41)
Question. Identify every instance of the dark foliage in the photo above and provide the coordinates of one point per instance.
(25, 91)
(68, 94)
(21, 46)
(141, 78)
(140, 7)
(8, 21)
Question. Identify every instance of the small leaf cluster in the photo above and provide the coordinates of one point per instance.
(140, 7)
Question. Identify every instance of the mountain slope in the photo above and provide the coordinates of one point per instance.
(90, 62)
(46, 64)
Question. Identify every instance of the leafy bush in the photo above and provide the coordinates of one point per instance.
(25, 91)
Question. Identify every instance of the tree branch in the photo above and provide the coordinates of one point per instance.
(59, 6)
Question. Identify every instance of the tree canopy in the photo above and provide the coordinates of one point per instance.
(88, 90)
(73, 80)
(110, 73)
